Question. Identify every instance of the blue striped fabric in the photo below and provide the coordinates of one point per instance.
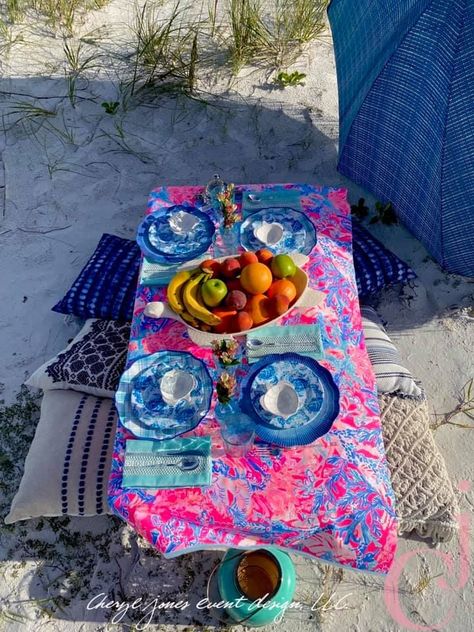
(406, 94)
(106, 286)
(375, 267)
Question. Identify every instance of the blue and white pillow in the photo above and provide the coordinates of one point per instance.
(68, 465)
(375, 267)
(391, 376)
(106, 286)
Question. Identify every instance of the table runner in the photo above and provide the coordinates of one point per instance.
(332, 499)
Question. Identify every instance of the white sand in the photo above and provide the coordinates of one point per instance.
(59, 197)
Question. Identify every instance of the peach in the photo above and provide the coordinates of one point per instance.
(259, 308)
(211, 266)
(279, 304)
(242, 322)
(264, 256)
(236, 299)
(246, 258)
(226, 316)
(230, 268)
(282, 286)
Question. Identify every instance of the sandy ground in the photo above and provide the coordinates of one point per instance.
(61, 188)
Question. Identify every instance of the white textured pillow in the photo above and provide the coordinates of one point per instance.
(390, 374)
(68, 464)
(92, 363)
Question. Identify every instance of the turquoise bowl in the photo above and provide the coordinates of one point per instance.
(257, 585)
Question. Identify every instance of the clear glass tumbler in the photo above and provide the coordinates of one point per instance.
(238, 435)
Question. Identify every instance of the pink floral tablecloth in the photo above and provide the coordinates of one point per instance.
(332, 499)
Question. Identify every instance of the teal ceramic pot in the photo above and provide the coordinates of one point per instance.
(257, 585)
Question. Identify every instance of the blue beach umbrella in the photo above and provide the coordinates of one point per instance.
(406, 103)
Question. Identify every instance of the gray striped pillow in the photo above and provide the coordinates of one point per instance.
(68, 464)
(391, 376)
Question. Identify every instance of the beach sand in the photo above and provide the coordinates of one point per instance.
(62, 187)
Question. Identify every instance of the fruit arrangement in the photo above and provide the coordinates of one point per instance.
(237, 293)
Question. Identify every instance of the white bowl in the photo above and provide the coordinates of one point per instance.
(176, 385)
(269, 233)
(281, 400)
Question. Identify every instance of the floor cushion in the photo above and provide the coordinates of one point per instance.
(390, 373)
(375, 266)
(106, 286)
(67, 467)
(425, 500)
(92, 363)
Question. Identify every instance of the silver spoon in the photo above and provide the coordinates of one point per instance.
(186, 464)
(255, 343)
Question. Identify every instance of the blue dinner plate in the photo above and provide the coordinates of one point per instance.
(299, 233)
(141, 406)
(315, 391)
(175, 235)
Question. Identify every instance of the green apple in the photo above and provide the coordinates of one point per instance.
(283, 266)
(213, 292)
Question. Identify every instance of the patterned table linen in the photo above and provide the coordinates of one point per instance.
(332, 499)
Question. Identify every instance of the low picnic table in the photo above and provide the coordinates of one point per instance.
(331, 500)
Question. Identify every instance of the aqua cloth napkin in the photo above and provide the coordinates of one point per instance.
(167, 464)
(303, 339)
(255, 200)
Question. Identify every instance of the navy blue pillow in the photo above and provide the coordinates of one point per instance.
(106, 285)
(375, 266)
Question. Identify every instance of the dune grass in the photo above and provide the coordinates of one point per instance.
(58, 13)
(166, 50)
(272, 35)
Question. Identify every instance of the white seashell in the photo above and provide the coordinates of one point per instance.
(269, 233)
(281, 400)
(176, 385)
(182, 222)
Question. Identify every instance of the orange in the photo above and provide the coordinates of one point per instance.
(256, 278)
(283, 286)
(259, 308)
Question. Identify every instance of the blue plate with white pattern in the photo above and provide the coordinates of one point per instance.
(280, 229)
(175, 235)
(148, 402)
(310, 405)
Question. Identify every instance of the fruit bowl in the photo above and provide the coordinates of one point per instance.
(305, 297)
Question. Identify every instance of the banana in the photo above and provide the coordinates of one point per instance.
(175, 287)
(190, 320)
(193, 302)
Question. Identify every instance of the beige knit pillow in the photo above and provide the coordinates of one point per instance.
(425, 500)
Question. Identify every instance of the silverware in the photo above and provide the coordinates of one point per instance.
(256, 343)
(185, 464)
(253, 197)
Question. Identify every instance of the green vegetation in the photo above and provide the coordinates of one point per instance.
(284, 79)
(58, 13)
(273, 35)
(464, 407)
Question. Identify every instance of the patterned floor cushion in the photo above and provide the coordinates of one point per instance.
(390, 373)
(106, 286)
(425, 500)
(375, 266)
(68, 464)
(92, 363)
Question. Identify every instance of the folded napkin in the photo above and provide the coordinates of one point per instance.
(303, 339)
(269, 197)
(161, 274)
(166, 464)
